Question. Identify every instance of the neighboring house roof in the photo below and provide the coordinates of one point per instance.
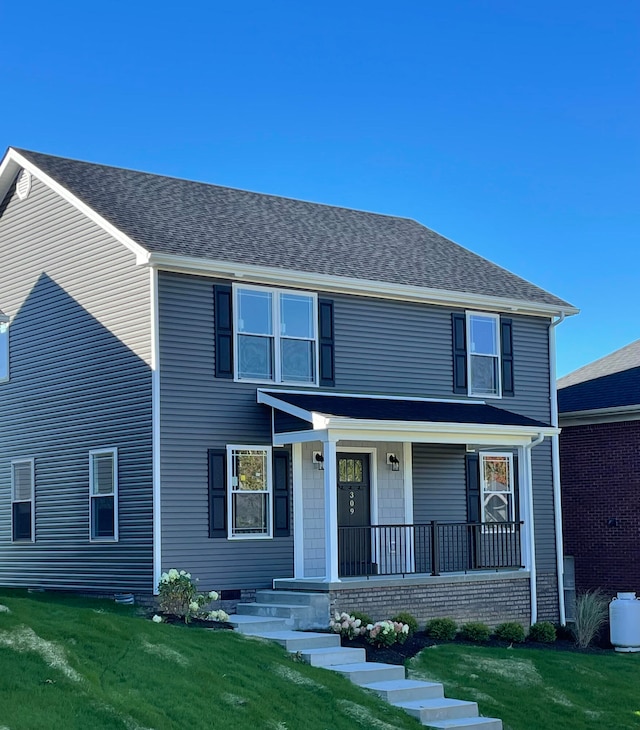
(167, 215)
(610, 382)
(403, 409)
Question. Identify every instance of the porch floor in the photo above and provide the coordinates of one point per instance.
(383, 581)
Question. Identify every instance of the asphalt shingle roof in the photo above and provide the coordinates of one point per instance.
(185, 218)
(403, 410)
(610, 382)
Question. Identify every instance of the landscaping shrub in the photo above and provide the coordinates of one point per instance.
(347, 625)
(178, 597)
(591, 615)
(511, 632)
(409, 619)
(365, 619)
(387, 633)
(543, 632)
(475, 631)
(441, 629)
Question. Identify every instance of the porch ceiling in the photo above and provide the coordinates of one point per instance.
(337, 417)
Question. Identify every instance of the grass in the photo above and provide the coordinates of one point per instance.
(67, 662)
(539, 689)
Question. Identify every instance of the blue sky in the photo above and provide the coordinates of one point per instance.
(511, 127)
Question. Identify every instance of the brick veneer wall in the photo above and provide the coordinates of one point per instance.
(600, 471)
(491, 601)
(548, 605)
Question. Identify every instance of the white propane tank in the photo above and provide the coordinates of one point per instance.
(624, 620)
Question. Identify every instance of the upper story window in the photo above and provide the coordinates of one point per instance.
(483, 353)
(275, 335)
(103, 494)
(22, 507)
(497, 485)
(4, 347)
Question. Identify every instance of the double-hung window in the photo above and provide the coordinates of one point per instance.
(276, 335)
(103, 494)
(483, 354)
(22, 501)
(4, 347)
(496, 483)
(250, 493)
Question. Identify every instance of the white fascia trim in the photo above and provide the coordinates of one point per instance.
(14, 160)
(281, 405)
(375, 396)
(420, 427)
(350, 285)
(429, 433)
(155, 430)
(600, 415)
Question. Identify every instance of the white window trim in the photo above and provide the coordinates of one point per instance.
(269, 452)
(277, 337)
(485, 315)
(114, 452)
(32, 501)
(7, 377)
(483, 491)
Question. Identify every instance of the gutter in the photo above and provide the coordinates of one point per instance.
(555, 461)
(532, 548)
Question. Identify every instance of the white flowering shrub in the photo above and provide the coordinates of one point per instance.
(346, 625)
(387, 633)
(178, 596)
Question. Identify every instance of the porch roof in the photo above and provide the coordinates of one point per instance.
(342, 416)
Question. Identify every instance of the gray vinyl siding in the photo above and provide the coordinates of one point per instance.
(381, 346)
(200, 412)
(80, 379)
(439, 486)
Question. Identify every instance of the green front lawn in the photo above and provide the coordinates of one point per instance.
(539, 689)
(68, 663)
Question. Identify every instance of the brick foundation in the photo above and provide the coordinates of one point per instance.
(490, 600)
(548, 605)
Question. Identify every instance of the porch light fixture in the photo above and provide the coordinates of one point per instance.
(318, 460)
(393, 462)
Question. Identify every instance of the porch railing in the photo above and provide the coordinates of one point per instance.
(434, 547)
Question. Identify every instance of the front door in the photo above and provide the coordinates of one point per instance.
(354, 514)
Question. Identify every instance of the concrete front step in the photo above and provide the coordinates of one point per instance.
(257, 625)
(279, 610)
(298, 640)
(329, 656)
(368, 672)
(428, 711)
(406, 690)
(293, 598)
(468, 723)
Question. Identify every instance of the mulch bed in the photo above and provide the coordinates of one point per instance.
(197, 623)
(399, 653)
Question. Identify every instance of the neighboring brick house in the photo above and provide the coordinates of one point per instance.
(599, 409)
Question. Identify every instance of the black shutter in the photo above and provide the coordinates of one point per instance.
(506, 346)
(217, 493)
(281, 493)
(459, 337)
(326, 343)
(473, 487)
(223, 313)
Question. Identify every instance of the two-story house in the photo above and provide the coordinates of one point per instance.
(266, 391)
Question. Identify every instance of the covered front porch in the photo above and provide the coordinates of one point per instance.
(393, 488)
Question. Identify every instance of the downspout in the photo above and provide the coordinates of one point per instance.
(532, 538)
(555, 462)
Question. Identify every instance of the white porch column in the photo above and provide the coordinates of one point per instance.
(298, 513)
(330, 511)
